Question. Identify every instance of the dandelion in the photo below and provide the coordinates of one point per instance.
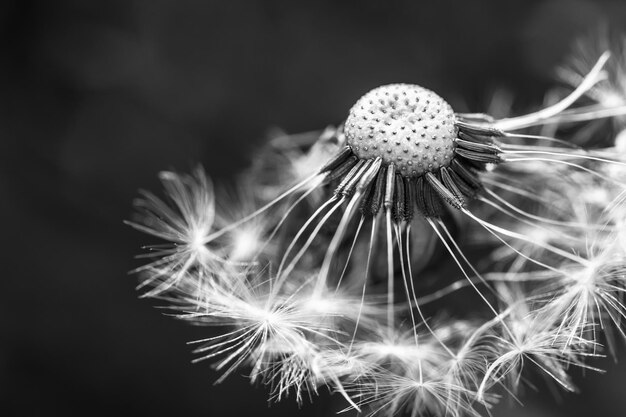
(324, 284)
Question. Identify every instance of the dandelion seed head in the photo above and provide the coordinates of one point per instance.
(403, 124)
(293, 273)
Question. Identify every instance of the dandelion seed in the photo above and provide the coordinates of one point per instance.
(402, 352)
(535, 337)
(389, 394)
(261, 321)
(184, 221)
(583, 297)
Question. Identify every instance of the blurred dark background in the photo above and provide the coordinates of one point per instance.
(98, 96)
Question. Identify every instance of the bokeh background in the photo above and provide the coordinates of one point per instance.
(98, 96)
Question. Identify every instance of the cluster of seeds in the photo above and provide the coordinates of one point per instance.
(296, 279)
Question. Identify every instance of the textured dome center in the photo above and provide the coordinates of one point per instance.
(405, 124)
